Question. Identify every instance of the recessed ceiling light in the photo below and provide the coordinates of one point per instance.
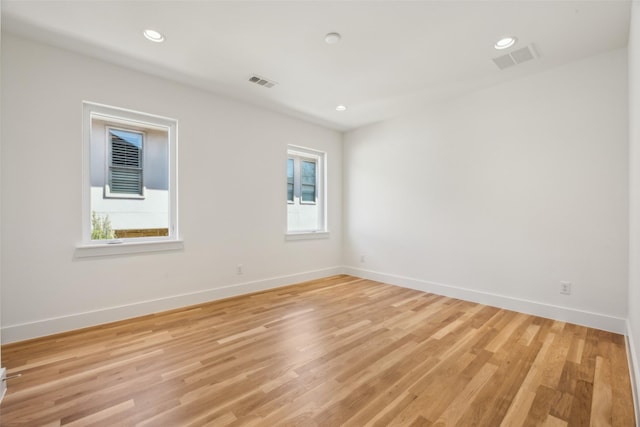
(332, 38)
(153, 35)
(505, 42)
(341, 108)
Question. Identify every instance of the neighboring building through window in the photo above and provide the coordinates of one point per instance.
(130, 169)
(306, 204)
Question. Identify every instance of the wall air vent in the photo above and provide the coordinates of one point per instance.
(516, 57)
(262, 81)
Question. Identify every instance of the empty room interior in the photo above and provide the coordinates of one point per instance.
(320, 213)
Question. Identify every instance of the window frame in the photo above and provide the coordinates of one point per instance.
(109, 164)
(300, 154)
(116, 117)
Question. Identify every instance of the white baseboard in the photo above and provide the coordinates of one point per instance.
(634, 369)
(39, 328)
(579, 317)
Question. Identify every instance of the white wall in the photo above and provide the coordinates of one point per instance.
(232, 196)
(495, 196)
(501, 194)
(633, 325)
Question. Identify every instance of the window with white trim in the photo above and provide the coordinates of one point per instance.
(130, 180)
(306, 200)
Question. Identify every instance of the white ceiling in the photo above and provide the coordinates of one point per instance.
(394, 56)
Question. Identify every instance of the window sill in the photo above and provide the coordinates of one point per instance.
(123, 197)
(106, 249)
(307, 235)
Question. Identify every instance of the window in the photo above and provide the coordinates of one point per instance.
(306, 207)
(125, 163)
(130, 193)
(308, 181)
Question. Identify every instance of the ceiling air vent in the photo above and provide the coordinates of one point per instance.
(262, 81)
(516, 57)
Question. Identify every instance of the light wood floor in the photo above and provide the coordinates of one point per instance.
(337, 351)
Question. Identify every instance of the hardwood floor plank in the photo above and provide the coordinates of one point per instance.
(540, 409)
(620, 382)
(601, 414)
(99, 415)
(338, 351)
(561, 407)
(457, 407)
(581, 405)
(385, 405)
(552, 421)
(523, 400)
(555, 365)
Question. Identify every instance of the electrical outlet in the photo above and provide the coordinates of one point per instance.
(361, 258)
(565, 288)
(239, 269)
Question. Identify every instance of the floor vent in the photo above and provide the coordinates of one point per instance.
(262, 81)
(516, 57)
